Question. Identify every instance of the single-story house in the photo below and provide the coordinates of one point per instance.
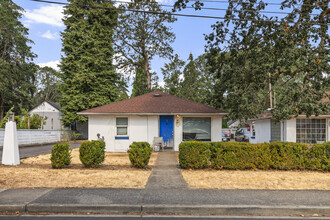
(314, 129)
(52, 111)
(155, 114)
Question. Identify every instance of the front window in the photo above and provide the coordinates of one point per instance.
(197, 128)
(121, 124)
(311, 130)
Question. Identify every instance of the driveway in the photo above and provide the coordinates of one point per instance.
(31, 151)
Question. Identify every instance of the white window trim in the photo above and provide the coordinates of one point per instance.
(193, 116)
(128, 125)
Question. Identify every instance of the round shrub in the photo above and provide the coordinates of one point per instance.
(92, 153)
(60, 155)
(139, 154)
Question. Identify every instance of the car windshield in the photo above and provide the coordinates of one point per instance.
(242, 131)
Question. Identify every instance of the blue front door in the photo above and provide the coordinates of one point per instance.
(166, 128)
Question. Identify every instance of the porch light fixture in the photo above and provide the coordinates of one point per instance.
(178, 116)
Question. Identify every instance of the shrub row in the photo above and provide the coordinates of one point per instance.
(139, 154)
(92, 154)
(237, 155)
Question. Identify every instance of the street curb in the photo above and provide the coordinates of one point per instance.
(13, 208)
(235, 210)
(79, 208)
(171, 209)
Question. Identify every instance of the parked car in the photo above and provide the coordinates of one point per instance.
(226, 133)
(241, 135)
(224, 138)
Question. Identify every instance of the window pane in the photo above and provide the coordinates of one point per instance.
(311, 131)
(196, 129)
(121, 121)
(121, 130)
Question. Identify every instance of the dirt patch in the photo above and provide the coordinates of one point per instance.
(36, 172)
(279, 180)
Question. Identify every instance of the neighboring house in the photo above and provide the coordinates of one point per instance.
(52, 111)
(154, 114)
(233, 125)
(315, 129)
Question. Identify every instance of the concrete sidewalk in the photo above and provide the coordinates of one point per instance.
(167, 201)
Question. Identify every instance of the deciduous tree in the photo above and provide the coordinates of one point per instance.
(272, 62)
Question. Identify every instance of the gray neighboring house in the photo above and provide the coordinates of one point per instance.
(52, 111)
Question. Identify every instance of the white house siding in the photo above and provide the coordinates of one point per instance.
(52, 114)
(290, 130)
(216, 128)
(177, 132)
(263, 131)
(140, 128)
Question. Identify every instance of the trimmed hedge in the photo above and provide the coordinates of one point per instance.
(92, 153)
(240, 156)
(139, 154)
(60, 155)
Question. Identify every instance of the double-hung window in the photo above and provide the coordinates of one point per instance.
(122, 126)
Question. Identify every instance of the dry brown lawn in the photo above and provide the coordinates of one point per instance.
(279, 180)
(36, 172)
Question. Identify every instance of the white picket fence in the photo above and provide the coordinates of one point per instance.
(33, 136)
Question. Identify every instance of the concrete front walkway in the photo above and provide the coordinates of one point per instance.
(166, 174)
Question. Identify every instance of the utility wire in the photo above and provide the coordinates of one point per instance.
(223, 9)
(176, 14)
(266, 3)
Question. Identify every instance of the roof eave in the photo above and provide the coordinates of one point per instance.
(137, 113)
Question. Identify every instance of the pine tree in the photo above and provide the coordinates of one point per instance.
(172, 72)
(140, 83)
(142, 36)
(17, 71)
(87, 71)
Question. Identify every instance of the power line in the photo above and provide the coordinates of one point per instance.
(222, 9)
(266, 3)
(176, 14)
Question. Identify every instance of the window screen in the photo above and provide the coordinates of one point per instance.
(310, 130)
(195, 128)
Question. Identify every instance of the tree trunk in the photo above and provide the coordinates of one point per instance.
(146, 70)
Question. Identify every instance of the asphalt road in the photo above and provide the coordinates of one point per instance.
(103, 217)
(31, 151)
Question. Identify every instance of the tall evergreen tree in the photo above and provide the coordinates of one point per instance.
(172, 73)
(140, 83)
(195, 82)
(16, 67)
(87, 71)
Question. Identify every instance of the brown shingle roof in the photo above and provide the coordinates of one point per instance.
(149, 103)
